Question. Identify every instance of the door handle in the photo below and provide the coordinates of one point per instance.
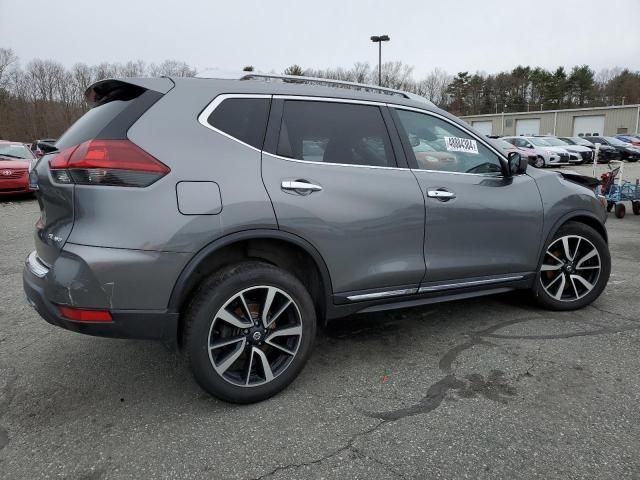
(300, 186)
(441, 194)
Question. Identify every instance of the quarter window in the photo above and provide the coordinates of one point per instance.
(331, 132)
(243, 118)
(439, 145)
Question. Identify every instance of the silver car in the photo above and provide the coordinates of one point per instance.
(232, 218)
(548, 155)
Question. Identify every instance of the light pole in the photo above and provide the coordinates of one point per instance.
(379, 39)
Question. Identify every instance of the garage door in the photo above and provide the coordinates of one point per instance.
(483, 126)
(529, 126)
(588, 125)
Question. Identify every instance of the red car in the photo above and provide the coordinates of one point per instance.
(16, 161)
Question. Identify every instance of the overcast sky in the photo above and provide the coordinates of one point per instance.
(454, 35)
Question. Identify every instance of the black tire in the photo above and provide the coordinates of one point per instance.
(610, 206)
(635, 206)
(209, 301)
(596, 240)
(539, 162)
(620, 210)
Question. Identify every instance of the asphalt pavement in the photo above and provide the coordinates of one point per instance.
(485, 388)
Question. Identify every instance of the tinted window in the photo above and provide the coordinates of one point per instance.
(335, 133)
(439, 145)
(242, 118)
(91, 123)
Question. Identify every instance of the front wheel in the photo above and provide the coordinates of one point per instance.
(574, 270)
(249, 331)
(539, 162)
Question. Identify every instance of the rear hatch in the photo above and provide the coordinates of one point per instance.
(94, 151)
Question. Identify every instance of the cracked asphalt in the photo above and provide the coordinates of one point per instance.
(483, 388)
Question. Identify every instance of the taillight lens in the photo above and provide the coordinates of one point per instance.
(118, 163)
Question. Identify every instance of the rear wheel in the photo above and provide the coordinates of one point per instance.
(249, 331)
(539, 162)
(620, 210)
(574, 270)
(635, 206)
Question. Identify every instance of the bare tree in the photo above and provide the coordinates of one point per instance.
(7, 59)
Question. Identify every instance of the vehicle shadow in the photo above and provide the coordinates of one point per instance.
(17, 198)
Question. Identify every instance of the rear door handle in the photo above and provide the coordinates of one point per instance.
(441, 194)
(300, 186)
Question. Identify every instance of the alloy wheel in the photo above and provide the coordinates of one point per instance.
(254, 336)
(539, 162)
(570, 268)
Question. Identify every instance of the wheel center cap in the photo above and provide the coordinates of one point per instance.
(256, 336)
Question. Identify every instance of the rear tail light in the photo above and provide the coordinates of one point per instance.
(84, 315)
(118, 163)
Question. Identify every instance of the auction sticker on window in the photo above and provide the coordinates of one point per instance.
(456, 144)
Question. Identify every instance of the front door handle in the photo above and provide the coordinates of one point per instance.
(300, 186)
(441, 194)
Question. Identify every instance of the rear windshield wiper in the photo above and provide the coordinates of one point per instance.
(12, 156)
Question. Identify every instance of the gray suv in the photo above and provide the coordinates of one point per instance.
(232, 217)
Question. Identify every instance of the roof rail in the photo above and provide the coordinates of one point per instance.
(339, 83)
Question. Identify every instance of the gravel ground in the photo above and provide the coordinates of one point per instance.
(483, 388)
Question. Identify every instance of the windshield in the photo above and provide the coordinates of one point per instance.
(15, 151)
(503, 144)
(555, 142)
(539, 142)
(580, 141)
(615, 142)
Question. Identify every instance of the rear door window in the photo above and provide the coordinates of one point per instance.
(244, 119)
(333, 132)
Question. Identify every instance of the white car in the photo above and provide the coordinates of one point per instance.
(578, 153)
(547, 154)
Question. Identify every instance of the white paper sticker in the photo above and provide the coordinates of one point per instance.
(466, 145)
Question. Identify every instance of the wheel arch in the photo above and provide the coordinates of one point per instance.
(283, 249)
(583, 217)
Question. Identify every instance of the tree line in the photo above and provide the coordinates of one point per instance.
(42, 98)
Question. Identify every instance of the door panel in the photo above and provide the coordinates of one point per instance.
(367, 223)
(478, 223)
(491, 227)
(333, 180)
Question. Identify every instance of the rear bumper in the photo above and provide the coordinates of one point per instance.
(13, 187)
(138, 324)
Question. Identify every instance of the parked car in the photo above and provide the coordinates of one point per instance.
(627, 151)
(16, 161)
(632, 139)
(42, 146)
(578, 154)
(606, 152)
(508, 148)
(545, 152)
(235, 216)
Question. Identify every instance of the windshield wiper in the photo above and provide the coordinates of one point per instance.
(12, 156)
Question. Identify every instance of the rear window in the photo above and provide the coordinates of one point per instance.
(92, 123)
(244, 119)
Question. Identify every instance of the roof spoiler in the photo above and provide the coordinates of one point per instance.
(125, 88)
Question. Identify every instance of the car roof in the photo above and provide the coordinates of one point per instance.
(277, 87)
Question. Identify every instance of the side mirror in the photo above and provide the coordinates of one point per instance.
(517, 164)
